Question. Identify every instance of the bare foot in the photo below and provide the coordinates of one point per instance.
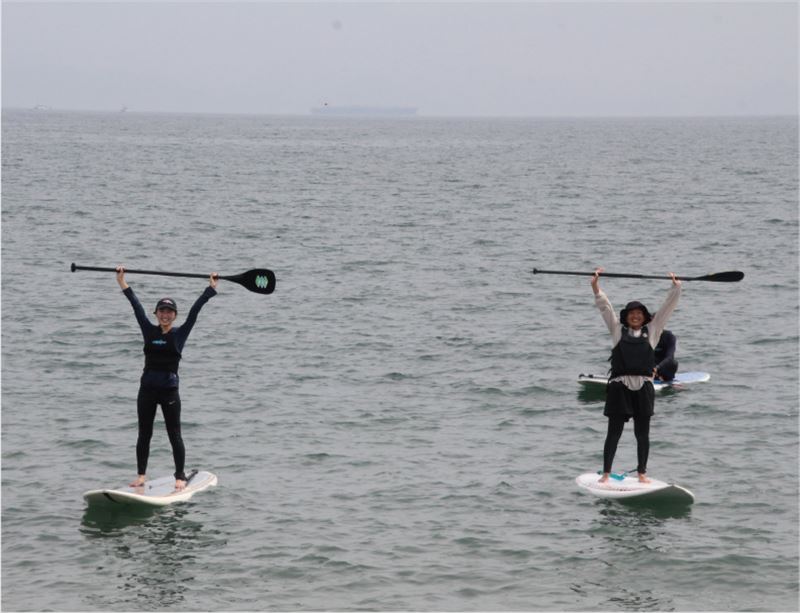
(180, 484)
(643, 478)
(604, 478)
(138, 482)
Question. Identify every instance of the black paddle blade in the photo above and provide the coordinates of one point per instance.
(725, 277)
(258, 280)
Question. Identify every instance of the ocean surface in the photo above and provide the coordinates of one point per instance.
(398, 426)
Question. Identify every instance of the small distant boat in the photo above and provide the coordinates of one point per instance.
(124, 109)
(41, 107)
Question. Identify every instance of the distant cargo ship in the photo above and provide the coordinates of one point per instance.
(371, 111)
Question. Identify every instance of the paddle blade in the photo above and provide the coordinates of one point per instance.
(724, 277)
(258, 280)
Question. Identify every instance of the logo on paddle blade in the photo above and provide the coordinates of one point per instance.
(262, 281)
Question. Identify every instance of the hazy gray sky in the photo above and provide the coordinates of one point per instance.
(447, 58)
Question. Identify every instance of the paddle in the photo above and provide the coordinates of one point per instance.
(724, 277)
(258, 280)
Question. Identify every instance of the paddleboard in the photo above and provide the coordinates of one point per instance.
(156, 493)
(682, 378)
(629, 489)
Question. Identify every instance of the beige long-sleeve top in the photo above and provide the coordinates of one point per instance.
(654, 328)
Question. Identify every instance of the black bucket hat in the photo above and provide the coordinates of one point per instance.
(166, 303)
(623, 314)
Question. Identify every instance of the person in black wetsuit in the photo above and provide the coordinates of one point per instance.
(163, 346)
(666, 364)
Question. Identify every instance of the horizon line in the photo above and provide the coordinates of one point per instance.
(323, 117)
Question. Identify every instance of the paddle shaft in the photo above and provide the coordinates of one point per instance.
(729, 276)
(145, 272)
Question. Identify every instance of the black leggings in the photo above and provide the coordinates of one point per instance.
(146, 404)
(641, 428)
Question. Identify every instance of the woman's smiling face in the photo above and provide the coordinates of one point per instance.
(166, 317)
(635, 319)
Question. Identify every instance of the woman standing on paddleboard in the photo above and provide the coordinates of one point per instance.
(163, 345)
(630, 390)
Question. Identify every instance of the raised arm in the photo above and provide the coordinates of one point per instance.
(603, 304)
(663, 314)
(138, 309)
(182, 332)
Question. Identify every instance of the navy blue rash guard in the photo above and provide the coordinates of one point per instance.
(163, 351)
(665, 350)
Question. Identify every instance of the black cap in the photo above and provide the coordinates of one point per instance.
(166, 303)
(623, 314)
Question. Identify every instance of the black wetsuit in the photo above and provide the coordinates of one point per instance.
(666, 364)
(159, 382)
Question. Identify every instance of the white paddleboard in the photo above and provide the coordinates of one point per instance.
(681, 378)
(631, 489)
(157, 493)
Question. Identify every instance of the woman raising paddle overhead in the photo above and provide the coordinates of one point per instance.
(163, 346)
(630, 391)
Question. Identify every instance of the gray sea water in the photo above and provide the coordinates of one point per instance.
(398, 426)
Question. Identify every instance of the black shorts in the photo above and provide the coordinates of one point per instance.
(627, 403)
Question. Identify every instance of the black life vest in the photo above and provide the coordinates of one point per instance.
(633, 355)
(161, 352)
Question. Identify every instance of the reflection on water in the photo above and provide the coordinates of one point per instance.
(150, 552)
(656, 511)
(634, 513)
(99, 521)
(591, 394)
